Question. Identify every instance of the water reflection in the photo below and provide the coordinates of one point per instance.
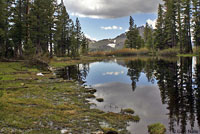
(158, 90)
(74, 72)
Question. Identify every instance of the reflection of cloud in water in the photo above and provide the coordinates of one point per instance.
(113, 73)
(146, 102)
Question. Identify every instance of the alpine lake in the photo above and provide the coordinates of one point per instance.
(159, 90)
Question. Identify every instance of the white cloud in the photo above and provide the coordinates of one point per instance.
(113, 73)
(152, 23)
(112, 28)
(110, 8)
(89, 37)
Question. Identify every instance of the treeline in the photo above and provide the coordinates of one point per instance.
(178, 21)
(38, 27)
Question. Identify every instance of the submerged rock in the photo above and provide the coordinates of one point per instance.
(90, 96)
(100, 99)
(127, 111)
(92, 91)
(112, 132)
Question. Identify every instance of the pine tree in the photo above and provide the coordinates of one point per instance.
(179, 22)
(39, 18)
(148, 36)
(187, 26)
(159, 37)
(70, 33)
(133, 39)
(73, 42)
(7, 46)
(84, 45)
(78, 35)
(196, 21)
(150, 40)
(2, 26)
(170, 23)
(62, 30)
(18, 29)
(27, 21)
(37, 24)
(146, 32)
(51, 24)
(131, 23)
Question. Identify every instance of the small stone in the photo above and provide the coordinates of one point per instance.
(40, 74)
(22, 84)
(63, 131)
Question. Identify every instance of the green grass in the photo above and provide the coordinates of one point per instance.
(157, 128)
(32, 104)
(187, 55)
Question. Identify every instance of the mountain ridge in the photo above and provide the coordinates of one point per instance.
(112, 44)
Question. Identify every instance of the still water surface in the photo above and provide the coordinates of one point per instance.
(159, 90)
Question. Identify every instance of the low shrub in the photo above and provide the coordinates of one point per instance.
(171, 52)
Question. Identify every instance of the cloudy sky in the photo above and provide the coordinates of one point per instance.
(102, 19)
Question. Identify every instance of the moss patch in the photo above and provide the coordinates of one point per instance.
(157, 128)
(128, 111)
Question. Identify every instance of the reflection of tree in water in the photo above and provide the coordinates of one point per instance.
(176, 86)
(135, 67)
(149, 70)
(84, 70)
(134, 70)
(197, 89)
(74, 72)
(179, 89)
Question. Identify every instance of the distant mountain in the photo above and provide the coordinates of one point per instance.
(91, 41)
(112, 44)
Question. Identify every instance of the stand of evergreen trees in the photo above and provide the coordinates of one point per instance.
(38, 27)
(178, 21)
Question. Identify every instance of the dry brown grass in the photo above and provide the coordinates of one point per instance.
(122, 52)
(97, 54)
(129, 52)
